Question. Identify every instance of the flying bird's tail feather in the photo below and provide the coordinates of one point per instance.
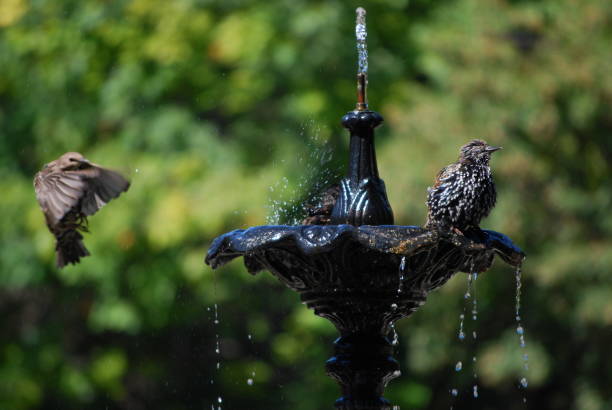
(70, 248)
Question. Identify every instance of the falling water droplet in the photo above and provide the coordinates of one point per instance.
(520, 330)
(249, 336)
(402, 268)
(219, 399)
(524, 382)
(250, 381)
(454, 392)
(461, 334)
(395, 340)
(475, 391)
(458, 366)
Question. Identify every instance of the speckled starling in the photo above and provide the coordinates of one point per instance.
(69, 190)
(320, 213)
(463, 192)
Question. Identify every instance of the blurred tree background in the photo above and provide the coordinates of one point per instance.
(225, 114)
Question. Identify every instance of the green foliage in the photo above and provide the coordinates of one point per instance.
(224, 114)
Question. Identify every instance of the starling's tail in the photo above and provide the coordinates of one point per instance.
(70, 248)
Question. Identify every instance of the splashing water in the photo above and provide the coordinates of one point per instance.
(362, 35)
(458, 366)
(520, 331)
(287, 201)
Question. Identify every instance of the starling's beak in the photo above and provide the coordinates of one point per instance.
(493, 149)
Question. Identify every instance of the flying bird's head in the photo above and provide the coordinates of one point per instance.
(477, 151)
(70, 161)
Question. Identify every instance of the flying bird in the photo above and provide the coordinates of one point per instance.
(69, 190)
(463, 192)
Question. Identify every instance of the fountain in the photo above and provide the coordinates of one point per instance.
(362, 272)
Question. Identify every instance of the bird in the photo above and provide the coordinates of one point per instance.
(463, 192)
(320, 213)
(68, 190)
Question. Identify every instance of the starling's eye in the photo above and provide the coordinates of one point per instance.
(73, 159)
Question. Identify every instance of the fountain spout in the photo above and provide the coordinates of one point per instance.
(363, 196)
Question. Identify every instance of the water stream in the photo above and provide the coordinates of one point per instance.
(470, 294)
(216, 322)
(520, 331)
(362, 35)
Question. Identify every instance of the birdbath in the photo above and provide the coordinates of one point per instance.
(361, 272)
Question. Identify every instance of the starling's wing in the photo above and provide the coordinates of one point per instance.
(102, 186)
(57, 193)
(444, 174)
(445, 190)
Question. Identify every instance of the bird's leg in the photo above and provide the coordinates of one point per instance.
(83, 223)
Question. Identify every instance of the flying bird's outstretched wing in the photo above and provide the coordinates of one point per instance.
(85, 190)
(102, 186)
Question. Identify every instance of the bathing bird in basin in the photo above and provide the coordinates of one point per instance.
(69, 190)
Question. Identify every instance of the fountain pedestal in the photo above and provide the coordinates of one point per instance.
(362, 365)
